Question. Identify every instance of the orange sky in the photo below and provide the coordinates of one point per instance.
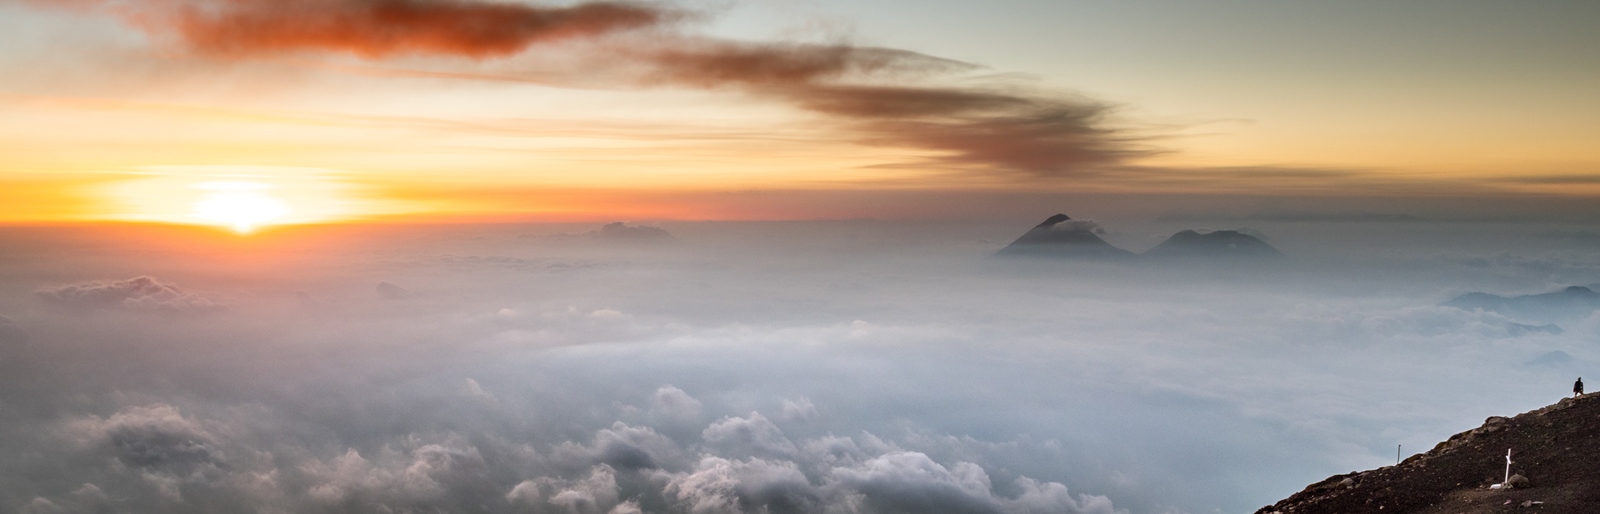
(135, 111)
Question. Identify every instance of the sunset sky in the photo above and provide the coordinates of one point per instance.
(780, 256)
(357, 109)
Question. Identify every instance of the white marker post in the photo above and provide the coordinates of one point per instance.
(1508, 466)
(1503, 483)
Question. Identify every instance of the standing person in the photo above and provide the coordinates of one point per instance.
(1577, 388)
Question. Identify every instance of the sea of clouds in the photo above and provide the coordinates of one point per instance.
(857, 366)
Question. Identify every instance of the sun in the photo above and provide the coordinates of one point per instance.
(241, 198)
(243, 205)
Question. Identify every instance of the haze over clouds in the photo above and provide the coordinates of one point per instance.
(843, 367)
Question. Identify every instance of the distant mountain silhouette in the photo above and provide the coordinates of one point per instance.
(1064, 237)
(619, 232)
(1230, 244)
(1572, 303)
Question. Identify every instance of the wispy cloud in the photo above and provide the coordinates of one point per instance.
(1573, 179)
(898, 98)
(877, 96)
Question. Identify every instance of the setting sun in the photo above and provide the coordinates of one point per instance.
(239, 204)
(243, 198)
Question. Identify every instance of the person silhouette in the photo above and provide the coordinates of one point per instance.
(1577, 388)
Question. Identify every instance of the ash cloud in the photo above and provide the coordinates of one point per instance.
(882, 97)
(891, 97)
(376, 28)
(1012, 130)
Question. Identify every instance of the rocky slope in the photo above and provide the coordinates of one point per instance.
(1556, 449)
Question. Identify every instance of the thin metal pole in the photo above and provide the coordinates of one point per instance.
(1397, 455)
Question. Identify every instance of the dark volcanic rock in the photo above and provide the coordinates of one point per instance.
(1060, 236)
(1219, 244)
(1556, 449)
(1568, 304)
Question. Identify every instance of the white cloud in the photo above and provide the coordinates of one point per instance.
(475, 390)
(675, 404)
(1053, 497)
(623, 447)
(754, 435)
(722, 486)
(419, 474)
(597, 493)
(1090, 226)
(799, 409)
(593, 495)
(154, 436)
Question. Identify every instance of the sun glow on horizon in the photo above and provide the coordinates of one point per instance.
(243, 205)
(241, 198)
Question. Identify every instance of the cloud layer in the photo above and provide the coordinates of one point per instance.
(190, 463)
(865, 367)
